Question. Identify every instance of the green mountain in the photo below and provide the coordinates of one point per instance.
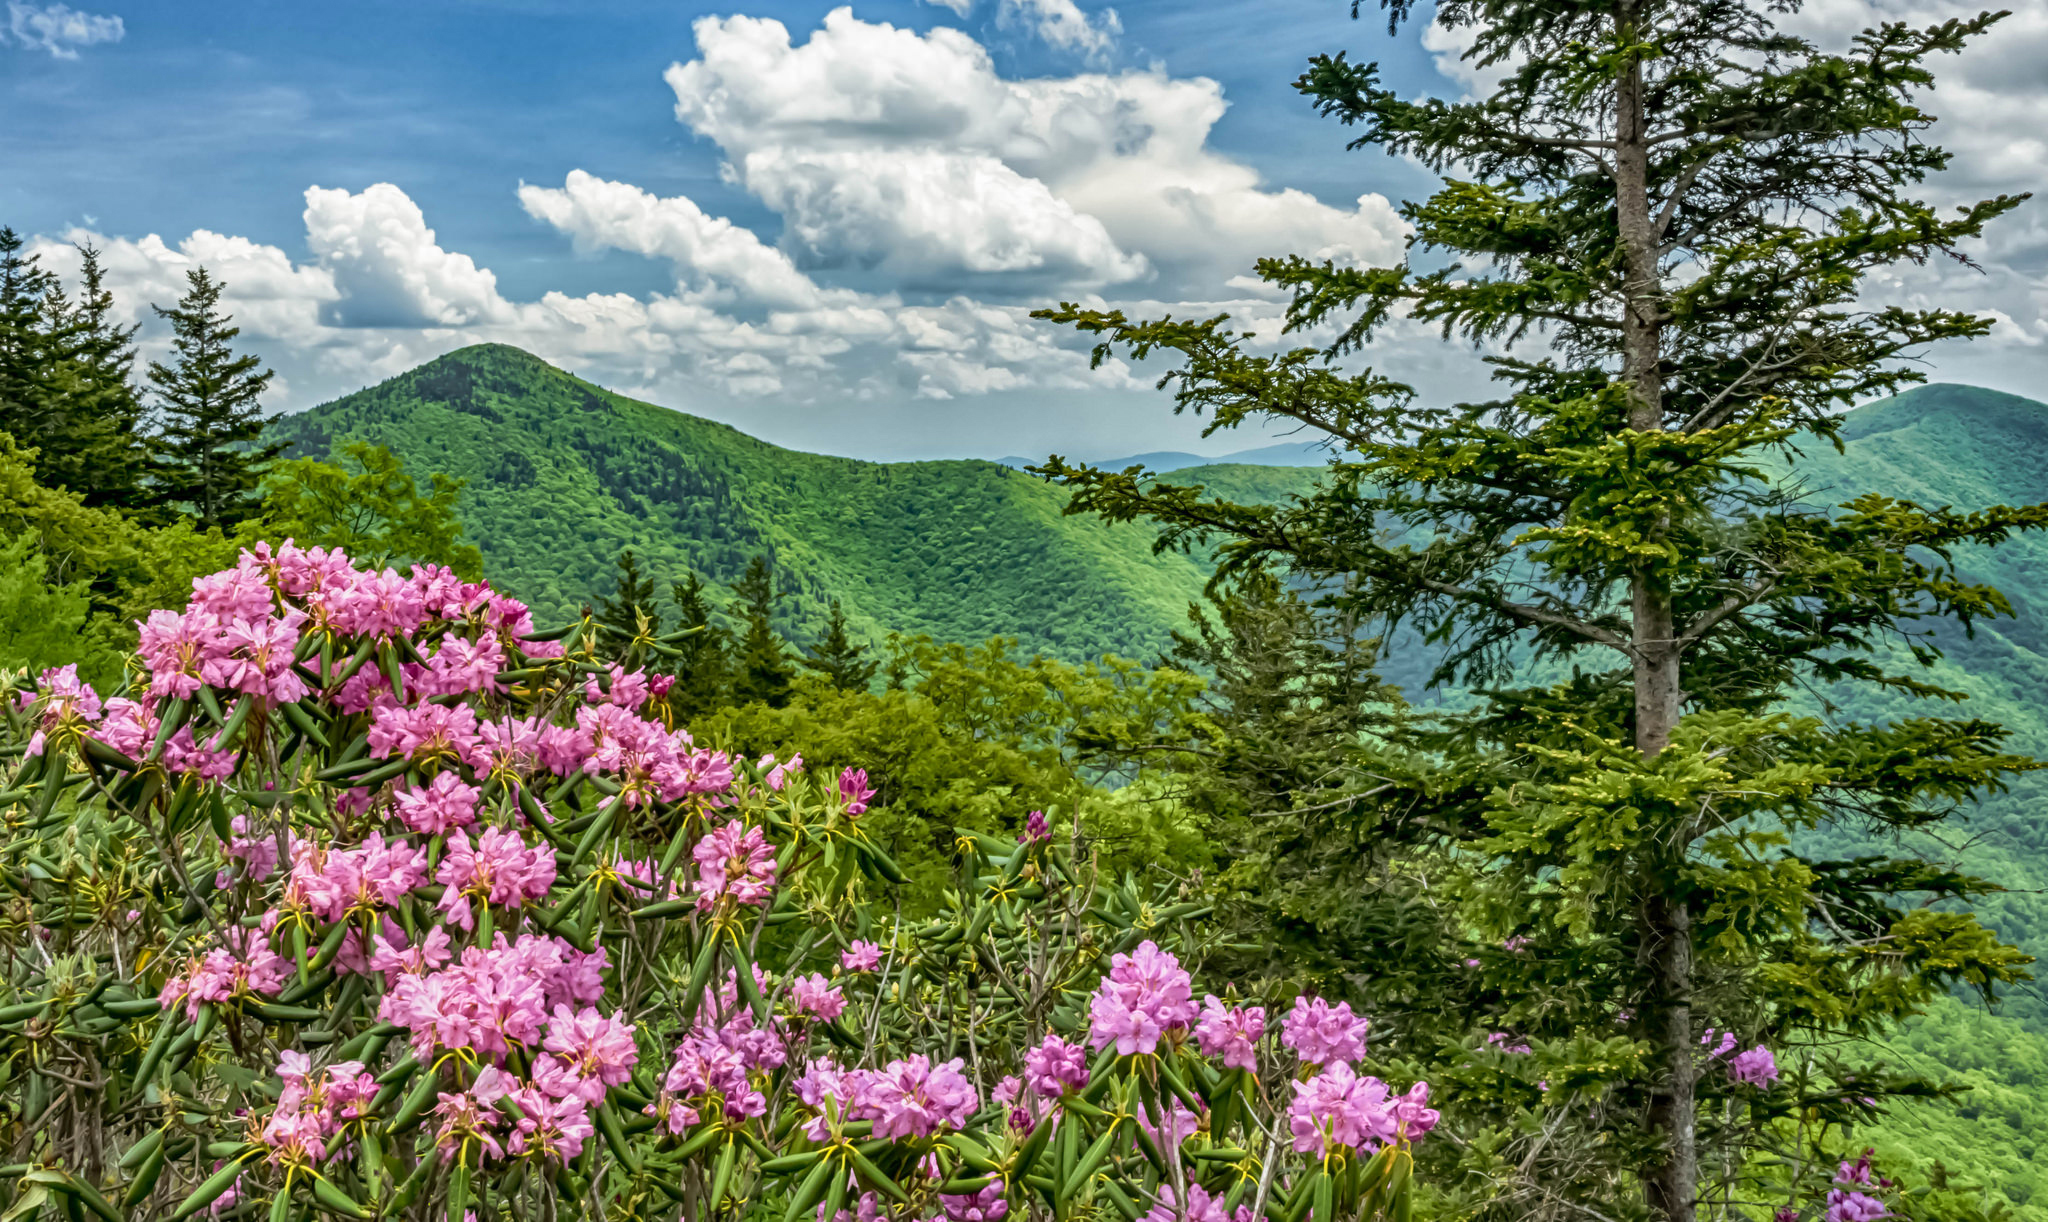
(562, 475)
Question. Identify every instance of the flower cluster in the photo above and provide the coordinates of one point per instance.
(735, 862)
(1337, 1108)
(1231, 1034)
(245, 965)
(1145, 996)
(313, 1108)
(908, 1097)
(1323, 1034)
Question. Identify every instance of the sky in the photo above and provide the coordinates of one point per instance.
(825, 225)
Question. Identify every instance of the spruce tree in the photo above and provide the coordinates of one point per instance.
(761, 667)
(93, 442)
(211, 426)
(25, 340)
(1666, 218)
(702, 665)
(838, 657)
(630, 611)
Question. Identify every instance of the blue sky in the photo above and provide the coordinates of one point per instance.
(892, 219)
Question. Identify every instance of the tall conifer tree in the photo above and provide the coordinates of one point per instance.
(1665, 215)
(25, 340)
(761, 667)
(703, 662)
(211, 424)
(842, 660)
(94, 443)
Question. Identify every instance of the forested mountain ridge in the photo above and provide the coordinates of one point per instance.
(562, 475)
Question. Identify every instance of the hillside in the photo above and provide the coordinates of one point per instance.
(562, 475)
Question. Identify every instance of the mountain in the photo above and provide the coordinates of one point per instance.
(563, 474)
(1285, 454)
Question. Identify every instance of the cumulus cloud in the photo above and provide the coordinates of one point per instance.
(1064, 27)
(960, 7)
(388, 270)
(381, 295)
(907, 154)
(59, 28)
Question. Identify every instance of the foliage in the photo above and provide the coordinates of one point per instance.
(212, 456)
(974, 737)
(370, 507)
(233, 987)
(1685, 203)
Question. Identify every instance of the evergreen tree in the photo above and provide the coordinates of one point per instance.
(842, 661)
(761, 667)
(212, 428)
(1684, 204)
(702, 666)
(105, 458)
(25, 341)
(87, 422)
(631, 610)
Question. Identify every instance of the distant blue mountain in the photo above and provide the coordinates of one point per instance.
(1286, 454)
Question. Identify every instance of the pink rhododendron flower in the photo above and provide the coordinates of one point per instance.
(1230, 1034)
(1845, 1206)
(1037, 829)
(1413, 1116)
(854, 790)
(431, 810)
(499, 868)
(736, 861)
(986, 1205)
(599, 1050)
(860, 957)
(427, 733)
(1322, 1034)
(245, 966)
(1338, 1108)
(911, 1097)
(1756, 1067)
(1503, 1042)
(816, 996)
(627, 690)
(1145, 995)
(128, 727)
(1055, 1067)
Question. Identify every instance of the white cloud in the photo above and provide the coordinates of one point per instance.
(1063, 26)
(960, 7)
(388, 270)
(908, 154)
(59, 29)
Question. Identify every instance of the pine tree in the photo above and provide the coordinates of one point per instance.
(212, 459)
(702, 666)
(631, 610)
(761, 669)
(842, 661)
(1685, 206)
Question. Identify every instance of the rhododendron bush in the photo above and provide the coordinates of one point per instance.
(367, 899)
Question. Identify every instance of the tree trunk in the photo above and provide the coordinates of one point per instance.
(1671, 1183)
